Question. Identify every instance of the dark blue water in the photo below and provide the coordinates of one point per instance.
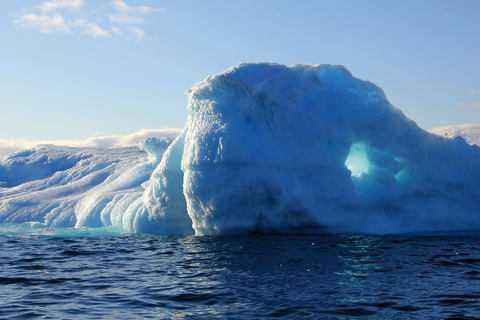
(108, 274)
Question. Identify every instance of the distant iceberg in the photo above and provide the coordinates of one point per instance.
(266, 149)
(76, 187)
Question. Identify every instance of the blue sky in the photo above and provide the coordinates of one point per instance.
(77, 69)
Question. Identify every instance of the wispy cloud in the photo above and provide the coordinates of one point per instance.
(470, 105)
(92, 28)
(59, 4)
(123, 18)
(137, 31)
(122, 6)
(45, 23)
(130, 15)
(148, 9)
(8, 146)
(48, 17)
(117, 31)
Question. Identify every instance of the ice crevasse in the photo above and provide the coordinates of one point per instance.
(304, 149)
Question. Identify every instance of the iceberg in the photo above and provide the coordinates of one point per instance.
(472, 136)
(266, 148)
(76, 187)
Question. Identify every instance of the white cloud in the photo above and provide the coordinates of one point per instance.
(473, 91)
(8, 146)
(57, 23)
(148, 9)
(50, 20)
(92, 28)
(123, 18)
(117, 31)
(137, 31)
(470, 105)
(58, 4)
(458, 128)
(122, 6)
(45, 23)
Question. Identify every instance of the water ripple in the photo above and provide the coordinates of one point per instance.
(258, 277)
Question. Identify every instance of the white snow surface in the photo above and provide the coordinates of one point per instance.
(266, 149)
(472, 136)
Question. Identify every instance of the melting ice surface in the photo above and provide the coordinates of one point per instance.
(266, 149)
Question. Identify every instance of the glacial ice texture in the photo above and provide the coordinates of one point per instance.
(272, 149)
(77, 187)
(266, 149)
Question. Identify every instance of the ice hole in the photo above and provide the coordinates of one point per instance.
(357, 161)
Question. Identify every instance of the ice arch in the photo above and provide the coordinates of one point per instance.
(265, 148)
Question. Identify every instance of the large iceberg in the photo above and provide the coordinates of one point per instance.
(266, 149)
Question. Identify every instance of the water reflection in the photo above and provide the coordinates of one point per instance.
(318, 272)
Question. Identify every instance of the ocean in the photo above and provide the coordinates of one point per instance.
(107, 273)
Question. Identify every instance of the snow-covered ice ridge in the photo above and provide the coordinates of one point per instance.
(266, 149)
(77, 187)
(472, 136)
